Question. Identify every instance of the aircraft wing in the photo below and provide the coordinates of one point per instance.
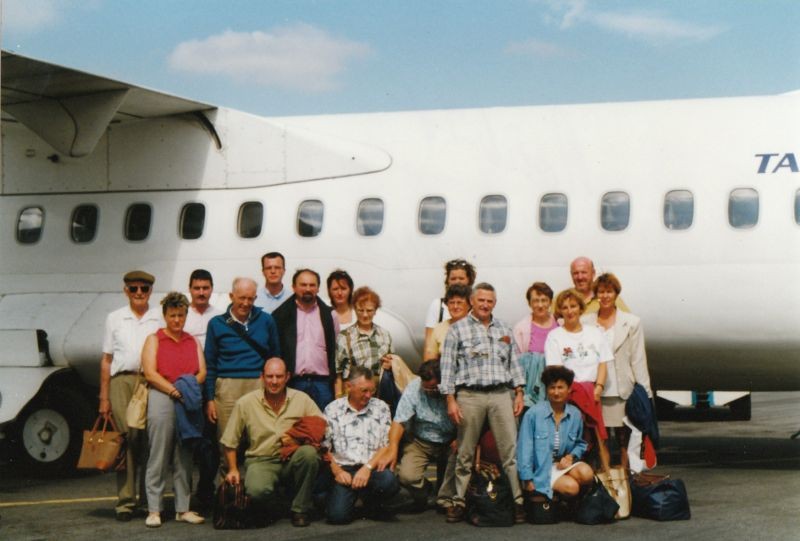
(71, 109)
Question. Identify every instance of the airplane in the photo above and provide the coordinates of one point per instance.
(694, 204)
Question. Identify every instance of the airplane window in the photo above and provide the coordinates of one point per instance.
(30, 224)
(553, 212)
(370, 217)
(615, 211)
(743, 208)
(432, 215)
(797, 207)
(251, 216)
(137, 221)
(493, 214)
(309, 218)
(678, 209)
(193, 218)
(84, 223)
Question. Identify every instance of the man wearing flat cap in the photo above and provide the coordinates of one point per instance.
(125, 332)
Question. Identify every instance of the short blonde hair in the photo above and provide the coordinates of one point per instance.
(570, 294)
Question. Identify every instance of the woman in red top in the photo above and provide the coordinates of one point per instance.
(167, 355)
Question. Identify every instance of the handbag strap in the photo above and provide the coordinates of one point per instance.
(107, 419)
(263, 353)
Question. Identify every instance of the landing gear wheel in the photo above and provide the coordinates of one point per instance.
(50, 431)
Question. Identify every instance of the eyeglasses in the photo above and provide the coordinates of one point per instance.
(135, 289)
(365, 310)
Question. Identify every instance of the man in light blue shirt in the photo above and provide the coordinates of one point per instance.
(422, 415)
(272, 295)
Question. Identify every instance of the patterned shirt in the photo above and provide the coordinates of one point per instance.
(356, 347)
(426, 414)
(354, 436)
(476, 355)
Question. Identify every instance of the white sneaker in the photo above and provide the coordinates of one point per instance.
(190, 517)
(153, 520)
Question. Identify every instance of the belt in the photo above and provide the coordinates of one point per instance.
(485, 388)
(311, 377)
(429, 442)
(126, 373)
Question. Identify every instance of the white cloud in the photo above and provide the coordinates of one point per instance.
(652, 27)
(536, 48)
(299, 57)
(28, 15)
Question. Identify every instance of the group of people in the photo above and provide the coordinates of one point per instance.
(289, 395)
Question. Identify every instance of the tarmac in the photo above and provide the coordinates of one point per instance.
(742, 477)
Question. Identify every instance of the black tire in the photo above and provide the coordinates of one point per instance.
(49, 432)
(741, 408)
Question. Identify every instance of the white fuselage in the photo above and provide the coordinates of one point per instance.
(720, 305)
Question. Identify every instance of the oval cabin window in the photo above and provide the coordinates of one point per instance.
(84, 224)
(553, 212)
(30, 224)
(432, 215)
(249, 221)
(369, 221)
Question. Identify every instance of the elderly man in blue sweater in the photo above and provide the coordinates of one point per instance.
(237, 344)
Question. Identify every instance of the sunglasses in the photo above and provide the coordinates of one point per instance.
(135, 289)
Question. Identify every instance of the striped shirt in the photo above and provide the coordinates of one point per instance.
(479, 356)
(356, 347)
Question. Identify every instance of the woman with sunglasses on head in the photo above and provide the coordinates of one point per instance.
(456, 271)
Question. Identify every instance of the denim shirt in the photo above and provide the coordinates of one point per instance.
(537, 437)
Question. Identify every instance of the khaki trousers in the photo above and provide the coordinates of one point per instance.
(417, 456)
(226, 392)
(498, 407)
(120, 391)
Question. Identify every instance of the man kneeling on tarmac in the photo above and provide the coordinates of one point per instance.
(267, 415)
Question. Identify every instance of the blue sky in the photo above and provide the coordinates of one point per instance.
(323, 56)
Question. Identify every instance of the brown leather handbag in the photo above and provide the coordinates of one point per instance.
(102, 449)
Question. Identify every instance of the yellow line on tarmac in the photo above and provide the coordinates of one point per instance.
(55, 502)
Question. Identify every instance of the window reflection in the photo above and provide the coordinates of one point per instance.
(370, 217)
(432, 215)
(615, 211)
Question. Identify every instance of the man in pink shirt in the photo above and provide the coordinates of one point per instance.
(307, 328)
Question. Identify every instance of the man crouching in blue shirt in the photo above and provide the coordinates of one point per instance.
(422, 413)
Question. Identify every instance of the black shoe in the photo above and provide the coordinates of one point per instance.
(124, 516)
(300, 520)
(455, 514)
(519, 514)
(382, 514)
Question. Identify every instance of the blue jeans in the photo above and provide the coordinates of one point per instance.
(320, 390)
(342, 499)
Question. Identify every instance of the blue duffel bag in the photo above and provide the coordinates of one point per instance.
(659, 497)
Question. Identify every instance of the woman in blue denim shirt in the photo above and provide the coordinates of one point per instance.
(550, 443)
